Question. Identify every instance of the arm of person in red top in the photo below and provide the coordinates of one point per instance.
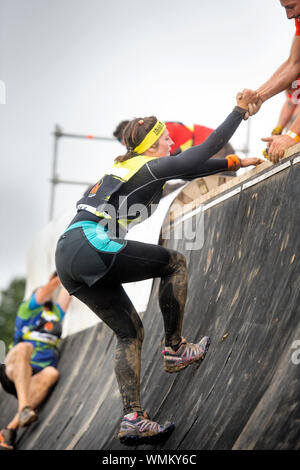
(284, 75)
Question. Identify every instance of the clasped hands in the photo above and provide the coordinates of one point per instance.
(249, 100)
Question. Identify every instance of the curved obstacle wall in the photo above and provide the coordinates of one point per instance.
(244, 291)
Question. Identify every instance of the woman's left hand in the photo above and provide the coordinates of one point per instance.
(250, 161)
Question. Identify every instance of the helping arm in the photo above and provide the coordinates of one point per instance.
(284, 75)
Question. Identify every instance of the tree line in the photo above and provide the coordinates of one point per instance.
(9, 304)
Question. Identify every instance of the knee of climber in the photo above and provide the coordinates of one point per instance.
(20, 352)
(135, 334)
(52, 374)
(137, 328)
(47, 377)
(141, 334)
(18, 355)
(178, 261)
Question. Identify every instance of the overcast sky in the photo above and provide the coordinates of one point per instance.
(87, 64)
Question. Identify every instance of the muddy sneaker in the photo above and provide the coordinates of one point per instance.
(27, 416)
(7, 439)
(136, 430)
(186, 354)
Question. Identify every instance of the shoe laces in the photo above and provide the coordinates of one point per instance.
(148, 425)
(188, 349)
(144, 423)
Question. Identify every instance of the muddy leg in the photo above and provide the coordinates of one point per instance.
(172, 297)
(114, 307)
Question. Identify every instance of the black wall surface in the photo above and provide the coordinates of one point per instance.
(244, 292)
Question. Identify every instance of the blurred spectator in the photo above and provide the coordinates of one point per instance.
(30, 369)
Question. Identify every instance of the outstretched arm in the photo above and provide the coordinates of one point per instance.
(191, 161)
(281, 79)
(284, 75)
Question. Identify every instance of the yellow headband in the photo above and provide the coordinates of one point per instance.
(151, 137)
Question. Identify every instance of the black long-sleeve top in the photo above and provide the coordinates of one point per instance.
(137, 198)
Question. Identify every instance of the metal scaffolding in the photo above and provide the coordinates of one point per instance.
(58, 133)
(55, 180)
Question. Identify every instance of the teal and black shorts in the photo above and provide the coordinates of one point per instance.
(84, 254)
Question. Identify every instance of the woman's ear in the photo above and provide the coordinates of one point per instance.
(151, 151)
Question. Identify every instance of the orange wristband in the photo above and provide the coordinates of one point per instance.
(234, 163)
(293, 135)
